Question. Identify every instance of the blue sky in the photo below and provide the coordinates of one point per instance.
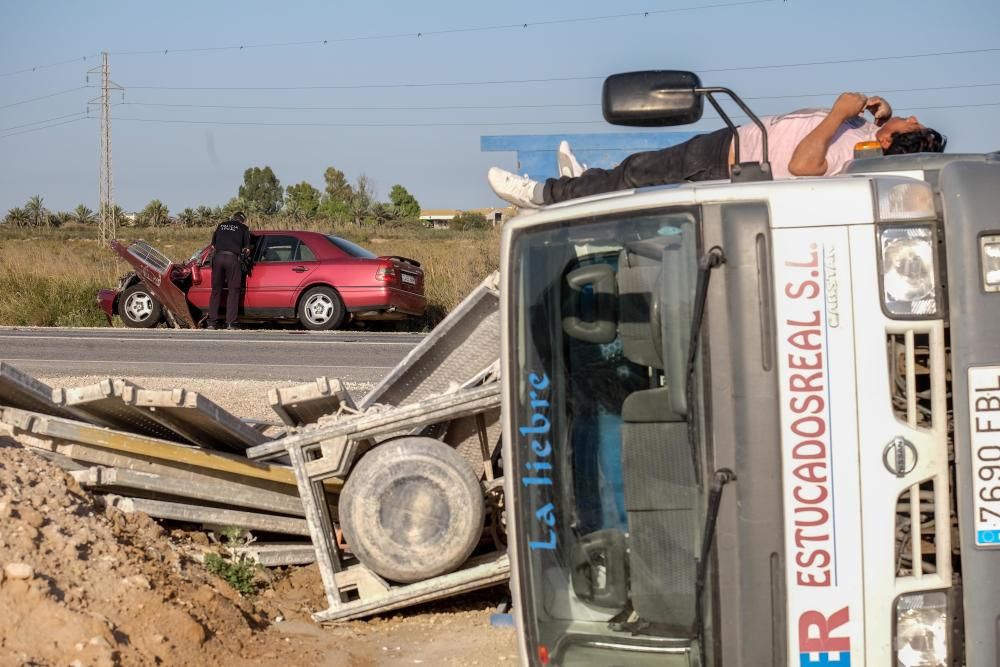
(437, 157)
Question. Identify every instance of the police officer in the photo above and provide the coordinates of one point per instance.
(230, 242)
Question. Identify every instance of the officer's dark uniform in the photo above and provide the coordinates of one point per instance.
(230, 239)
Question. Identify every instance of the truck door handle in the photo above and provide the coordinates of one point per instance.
(300, 269)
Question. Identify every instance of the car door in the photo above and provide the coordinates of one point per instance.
(281, 264)
(199, 295)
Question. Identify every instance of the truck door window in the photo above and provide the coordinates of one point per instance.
(607, 502)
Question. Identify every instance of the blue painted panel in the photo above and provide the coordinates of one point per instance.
(536, 153)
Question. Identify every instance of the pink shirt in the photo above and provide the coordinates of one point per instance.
(785, 132)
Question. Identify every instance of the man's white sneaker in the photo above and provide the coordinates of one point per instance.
(517, 190)
(568, 164)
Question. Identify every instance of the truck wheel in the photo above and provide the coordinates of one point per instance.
(138, 308)
(321, 309)
(412, 509)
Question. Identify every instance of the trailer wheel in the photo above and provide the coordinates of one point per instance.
(138, 308)
(412, 509)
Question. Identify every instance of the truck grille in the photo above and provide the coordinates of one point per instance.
(919, 384)
(916, 527)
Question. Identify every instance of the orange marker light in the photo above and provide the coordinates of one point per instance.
(867, 149)
(543, 655)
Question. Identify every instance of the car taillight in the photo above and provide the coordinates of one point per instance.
(386, 274)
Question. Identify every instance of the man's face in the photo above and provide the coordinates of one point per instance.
(894, 126)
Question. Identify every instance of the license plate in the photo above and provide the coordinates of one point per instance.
(984, 414)
(409, 279)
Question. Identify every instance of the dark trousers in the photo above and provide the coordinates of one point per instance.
(701, 158)
(226, 275)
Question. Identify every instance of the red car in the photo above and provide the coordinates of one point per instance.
(319, 279)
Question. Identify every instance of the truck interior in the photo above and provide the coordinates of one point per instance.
(614, 334)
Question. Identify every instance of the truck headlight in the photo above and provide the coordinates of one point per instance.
(989, 253)
(922, 630)
(909, 276)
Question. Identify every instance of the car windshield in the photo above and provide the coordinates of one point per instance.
(608, 508)
(352, 249)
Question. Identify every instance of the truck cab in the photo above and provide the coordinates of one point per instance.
(756, 422)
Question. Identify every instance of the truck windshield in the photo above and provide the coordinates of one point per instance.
(606, 495)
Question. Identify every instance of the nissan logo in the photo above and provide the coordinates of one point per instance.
(900, 457)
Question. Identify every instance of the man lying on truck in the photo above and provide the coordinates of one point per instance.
(809, 142)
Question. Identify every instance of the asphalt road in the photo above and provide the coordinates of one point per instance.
(223, 355)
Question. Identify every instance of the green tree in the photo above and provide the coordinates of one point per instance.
(262, 190)
(232, 206)
(337, 195)
(302, 199)
(362, 199)
(17, 217)
(204, 215)
(84, 215)
(117, 214)
(155, 213)
(406, 205)
(188, 217)
(38, 215)
(467, 220)
(337, 188)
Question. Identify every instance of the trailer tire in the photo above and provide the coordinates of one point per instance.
(412, 509)
(138, 308)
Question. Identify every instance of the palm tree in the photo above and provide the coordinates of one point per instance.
(83, 215)
(205, 215)
(155, 213)
(35, 208)
(17, 217)
(187, 217)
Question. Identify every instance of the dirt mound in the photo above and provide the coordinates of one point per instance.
(85, 585)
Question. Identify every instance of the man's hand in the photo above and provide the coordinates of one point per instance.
(880, 109)
(849, 105)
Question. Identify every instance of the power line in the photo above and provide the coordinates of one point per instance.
(359, 108)
(372, 85)
(417, 34)
(298, 124)
(519, 25)
(35, 68)
(491, 82)
(39, 122)
(845, 61)
(464, 107)
(879, 90)
(44, 97)
(36, 129)
(455, 124)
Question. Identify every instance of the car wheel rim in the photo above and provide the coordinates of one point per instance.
(319, 309)
(139, 306)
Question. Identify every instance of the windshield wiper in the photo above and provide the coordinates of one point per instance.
(722, 477)
(712, 259)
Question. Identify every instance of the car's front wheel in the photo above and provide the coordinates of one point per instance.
(138, 308)
(321, 309)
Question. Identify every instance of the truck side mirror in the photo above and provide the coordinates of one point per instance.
(654, 98)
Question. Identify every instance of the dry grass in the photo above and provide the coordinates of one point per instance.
(51, 277)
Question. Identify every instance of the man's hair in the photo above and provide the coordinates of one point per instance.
(239, 217)
(918, 141)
